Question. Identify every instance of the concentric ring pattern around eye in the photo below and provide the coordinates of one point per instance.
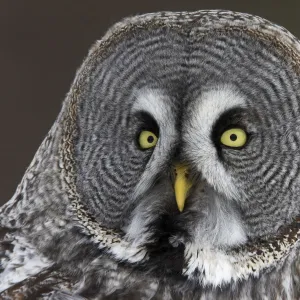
(183, 64)
(272, 105)
(139, 62)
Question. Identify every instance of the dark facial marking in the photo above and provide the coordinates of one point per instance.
(231, 118)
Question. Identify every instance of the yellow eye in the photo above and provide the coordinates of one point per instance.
(234, 137)
(147, 139)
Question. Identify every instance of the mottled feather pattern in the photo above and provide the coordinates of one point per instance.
(94, 217)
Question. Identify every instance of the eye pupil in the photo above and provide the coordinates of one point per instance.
(150, 139)
(233, 137)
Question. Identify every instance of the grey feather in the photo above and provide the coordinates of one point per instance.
(95, 217)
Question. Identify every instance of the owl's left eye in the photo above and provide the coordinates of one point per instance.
(234, 137)
(147, 139)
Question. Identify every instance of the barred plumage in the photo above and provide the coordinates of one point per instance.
(95, 215)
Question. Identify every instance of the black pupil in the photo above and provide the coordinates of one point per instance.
(150, 139)
(233, 137)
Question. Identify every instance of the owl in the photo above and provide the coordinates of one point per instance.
(171, 172)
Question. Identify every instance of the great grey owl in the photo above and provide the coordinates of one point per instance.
(171, 172)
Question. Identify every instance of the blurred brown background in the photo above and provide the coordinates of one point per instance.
(44, 42)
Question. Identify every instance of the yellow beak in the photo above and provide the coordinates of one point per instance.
(182, 185)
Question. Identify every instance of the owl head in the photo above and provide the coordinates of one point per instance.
(177, 147)
(187, 130)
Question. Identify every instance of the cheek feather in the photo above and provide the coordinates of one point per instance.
(200, 148)
(157, 104)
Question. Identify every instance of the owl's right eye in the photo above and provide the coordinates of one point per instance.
(147, 139)
(147, 131)
(234, 138)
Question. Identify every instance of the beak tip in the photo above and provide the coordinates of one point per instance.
(180, 208)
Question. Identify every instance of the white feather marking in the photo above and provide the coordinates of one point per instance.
(220, 225)
(23, 262)
(157, 104)
(136, 232)
(216, 266)
(287, 286)
(197, 135)
(129, 253)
